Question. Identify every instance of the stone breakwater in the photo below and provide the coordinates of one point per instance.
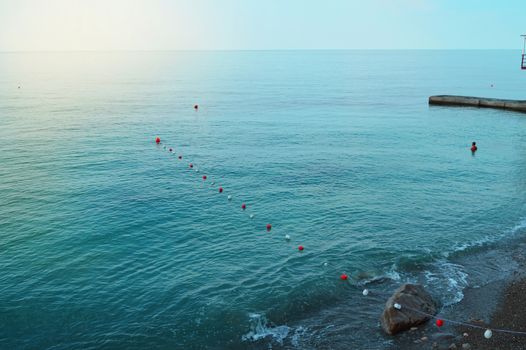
(469, 101)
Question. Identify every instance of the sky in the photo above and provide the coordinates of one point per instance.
(71, 25)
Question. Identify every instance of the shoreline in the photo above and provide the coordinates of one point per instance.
(509, 315)
(499, 304)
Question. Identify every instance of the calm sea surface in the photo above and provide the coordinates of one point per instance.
(109, 241)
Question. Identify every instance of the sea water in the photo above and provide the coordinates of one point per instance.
(109, 241)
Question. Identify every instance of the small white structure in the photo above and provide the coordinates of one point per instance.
(523, 62)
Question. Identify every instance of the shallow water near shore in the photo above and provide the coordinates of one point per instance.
(109, 241)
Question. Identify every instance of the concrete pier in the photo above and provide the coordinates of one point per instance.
(468, 101)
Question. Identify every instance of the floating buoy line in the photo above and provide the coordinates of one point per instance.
(439, 322)
(220, 189)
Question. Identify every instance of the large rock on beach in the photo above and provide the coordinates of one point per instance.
(413, 305)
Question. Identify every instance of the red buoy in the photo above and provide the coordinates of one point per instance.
(191, 165)
(180, 157)
(344, 277)
(269, 227)
(157, 139)
(220, 189)
(204, 177)
(300, 248)
(196, 106)
(440, 322)
(243, 206)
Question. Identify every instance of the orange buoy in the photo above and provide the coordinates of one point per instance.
(204, 177)
(220, 189)
(243, 206)
(191, 165)
(440, 322)
(269, 227)
(344, 277)
(157, 139)
(300, 248)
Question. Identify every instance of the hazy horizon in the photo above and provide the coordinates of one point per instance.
(162, 25)
(249, 50)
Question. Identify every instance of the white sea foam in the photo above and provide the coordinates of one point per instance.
(260, 329)
(298, 334)
(521, 225)
(393, 274)
(448, 280)
(490, 239)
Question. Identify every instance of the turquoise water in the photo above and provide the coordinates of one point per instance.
(109, 241)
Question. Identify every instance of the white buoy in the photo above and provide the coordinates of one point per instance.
(251, 216)
(325, 264)
(287, 237)
(397, 306)
(365, 292)
(488, 333)
(212, 183)
(229, 197)
(196, 170)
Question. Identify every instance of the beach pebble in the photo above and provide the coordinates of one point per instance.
(465, 335)
(365, 292)
(413, 329)
(424, 339)
(476, 320)
(452, 347)
(466, 346)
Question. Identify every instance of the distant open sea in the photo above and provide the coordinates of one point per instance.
(109, 241)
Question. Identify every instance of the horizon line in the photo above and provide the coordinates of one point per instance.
(257, 50)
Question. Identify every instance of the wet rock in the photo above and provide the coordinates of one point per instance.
(424, 338)
(405, 308)
(466, 346)
(413, 329)
(452, 347)
(465, 335)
